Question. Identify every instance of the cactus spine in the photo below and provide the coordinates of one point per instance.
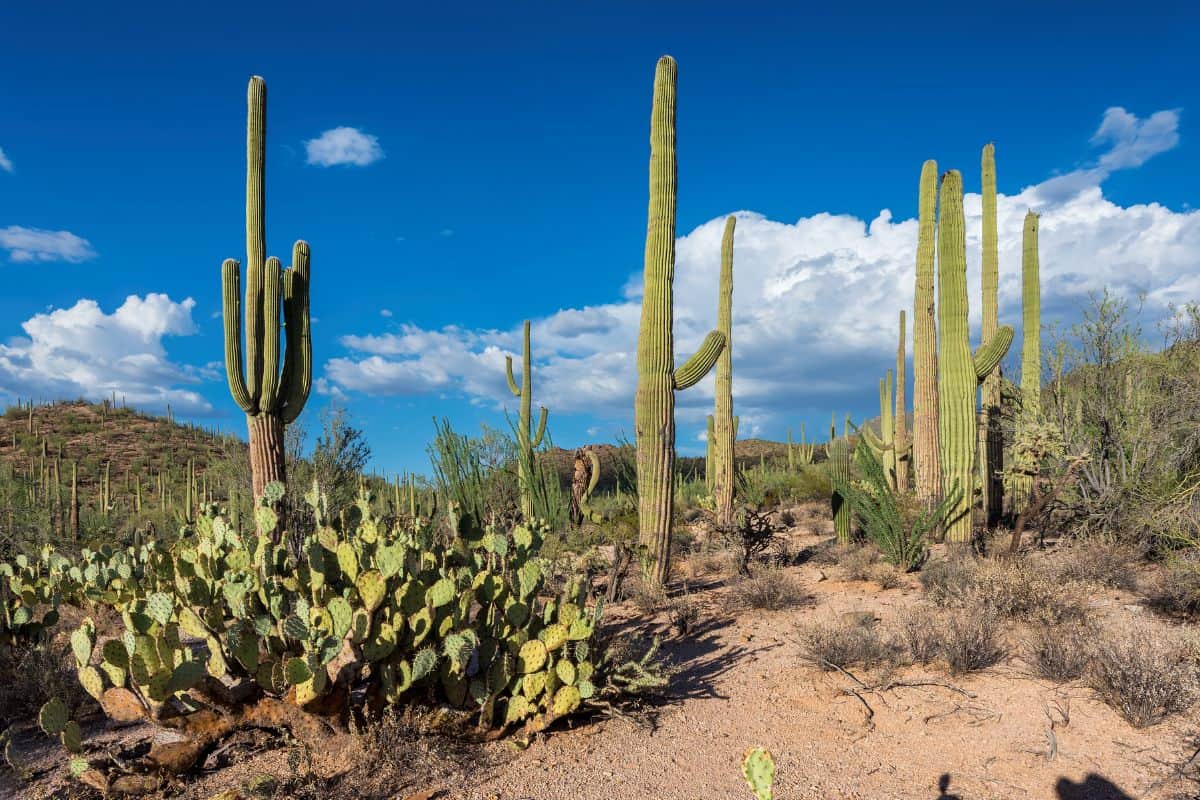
(991, 437)
(927, 469)
(722, 451)
(271, 397)
(959, 372)
(900, 438)
(526, 441)
(658, 378)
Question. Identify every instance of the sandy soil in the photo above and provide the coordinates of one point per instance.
(1000, 733)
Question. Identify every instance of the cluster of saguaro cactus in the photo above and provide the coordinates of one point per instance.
(528, 439)
(658, 377)
(801, 454)
(959, 371)
(271, 389)
(887, 446)
(722, 447)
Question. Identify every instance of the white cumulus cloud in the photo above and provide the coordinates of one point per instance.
(343, 145)
(26, 245)
(5, 162)
(816, 301)
(82, 351)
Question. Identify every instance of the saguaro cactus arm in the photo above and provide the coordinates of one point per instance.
(700, 363)
(990, 353)
(536, 439)
(231, 303)
(512, 381)
(297, 363)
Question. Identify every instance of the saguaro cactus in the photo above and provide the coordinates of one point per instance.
(527, 438)
(927, 468)
(1031, 320)
(270, 397)
(903, 447)
(959, 372)
(839, 470)
(991, 436)
(658, 378)
(723, 488)
(709, 472)
(802, 453)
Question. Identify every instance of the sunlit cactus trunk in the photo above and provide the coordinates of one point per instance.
(723, 487)
(1031, 342)
(926, 451)
(270, 389)
(990, 433)
(527, 438)
(658, 379)
(959, 372)
(900, 439)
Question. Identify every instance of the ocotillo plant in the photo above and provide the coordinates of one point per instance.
(527, 438)
(927, 469)
(959, 373)
(658, 378)
(1031, 342)
(271, 397)
(900, 413)
(839, 469)
(723, 484)
(991, 436)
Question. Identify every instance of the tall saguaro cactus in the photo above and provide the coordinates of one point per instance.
(926, 450)
(722, 451)
(658, 378)
(1031, 319)
(900, 438)
(270, 389)
(527, 438)
(838, 452)
(991, 436)
(959, 372)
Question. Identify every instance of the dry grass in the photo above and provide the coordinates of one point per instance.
(767, 589)
(1176, 593)
(842, 644)
(858, 562)
(918, 639)
(1099, 562)
(970, 639)
(886, 576)
(1059, 652)
(1143, 674)
(948, 581)
(683, 612)
(35, 673)
(1026, 593)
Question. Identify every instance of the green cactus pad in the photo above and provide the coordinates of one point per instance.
(92, 681)
(518, 709)
(340, 616)
(554, 636)
(759, 770)
(441, 593)
(532, 657)
(295, 628)
(566, 672)
(53, 717)
(347, 560)
(586, 689)
(185, 676)
(424, 663)
(296, 671)
(372, 588)
(72, 737)
(83, 640)
(421, 624)
(566, 701)
(533, 684)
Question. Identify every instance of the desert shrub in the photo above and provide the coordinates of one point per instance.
(948, 581)
(1020, 591)
(886, 576)
(32, 672)
(970, 638)
(1059, 652)
(1142, 674)
(917, 638)
(751, 534)
(1177, 591)
(767, 589)
(858, 562)
(1097, 561)
(683, 612)
(842, 644)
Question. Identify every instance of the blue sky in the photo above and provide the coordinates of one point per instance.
(506, 179)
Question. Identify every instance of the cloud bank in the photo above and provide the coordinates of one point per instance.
(815, 301)
(29, 245)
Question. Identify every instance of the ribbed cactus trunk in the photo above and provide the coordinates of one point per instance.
(1031, 343)
(527, 438)
(270, 398)
(839, 472)
(990, 432)
(959, 372)
(709, 472)
(887, 426)
(658, 380)
(926, 450)
(900, 439)
(723, 487)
